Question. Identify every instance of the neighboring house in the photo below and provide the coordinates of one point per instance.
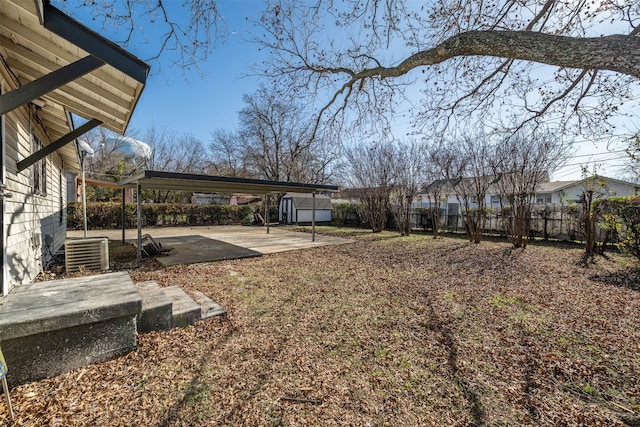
(555, 192)
(51, 67)
(210, 199)
(297, 208)
(563, 192)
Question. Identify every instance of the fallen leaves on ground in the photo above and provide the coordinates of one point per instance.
(385, 331)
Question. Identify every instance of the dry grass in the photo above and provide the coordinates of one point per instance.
(386, 331)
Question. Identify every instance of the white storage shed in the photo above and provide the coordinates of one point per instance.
(296, 208)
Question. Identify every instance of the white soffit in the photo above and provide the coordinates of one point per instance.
(31, 50)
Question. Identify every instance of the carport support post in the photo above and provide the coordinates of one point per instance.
(313, 218)
(124, 216)
(266, 211)
(139, 200)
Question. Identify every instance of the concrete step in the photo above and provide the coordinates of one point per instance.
(185, 310)
(48, 328)
(209, 307)
(156, 308)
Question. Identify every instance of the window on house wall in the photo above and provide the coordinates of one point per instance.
(39, 169)
(495, 200)
(543, 199)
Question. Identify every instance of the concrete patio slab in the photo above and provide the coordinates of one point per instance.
(206, 244)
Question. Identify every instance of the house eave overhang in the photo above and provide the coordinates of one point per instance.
(37, 41)
(74, 32)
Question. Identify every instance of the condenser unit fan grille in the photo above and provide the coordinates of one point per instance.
(87, 254)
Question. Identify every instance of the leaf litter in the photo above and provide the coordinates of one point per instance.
(386, 331)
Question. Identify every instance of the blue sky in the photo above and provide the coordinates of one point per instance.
(197, 103)
(192, 102)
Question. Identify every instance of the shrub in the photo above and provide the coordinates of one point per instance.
(621, 215)
(346, 213)
(108, 215)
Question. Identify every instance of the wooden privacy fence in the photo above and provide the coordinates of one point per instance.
(548, 220)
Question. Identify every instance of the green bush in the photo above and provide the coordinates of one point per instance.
(108, 215)
(621, 215)
(346, 213)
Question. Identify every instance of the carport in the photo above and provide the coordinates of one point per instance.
(159, 180)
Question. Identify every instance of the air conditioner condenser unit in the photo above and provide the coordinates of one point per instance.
(87, 254)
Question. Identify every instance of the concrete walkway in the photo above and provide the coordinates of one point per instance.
(205, 244)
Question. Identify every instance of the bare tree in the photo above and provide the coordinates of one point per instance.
(409, 177)
(474, 55)
(471, 178)
(229, 156)
(372, 172)
(522, 162)
(440, 161)
(633, 151)
(475, 58)
(184, 33)
(174, 153)
(280, 143)
(594, 187)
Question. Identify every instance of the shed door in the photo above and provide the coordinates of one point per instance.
(287, 211)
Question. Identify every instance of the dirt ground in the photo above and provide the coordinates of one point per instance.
(386, 331)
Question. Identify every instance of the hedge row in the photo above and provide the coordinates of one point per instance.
(346, 213)
(108, 215)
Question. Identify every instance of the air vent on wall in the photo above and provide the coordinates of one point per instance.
(87, 254)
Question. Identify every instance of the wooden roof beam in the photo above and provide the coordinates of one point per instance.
(48, 149)
(47, 83)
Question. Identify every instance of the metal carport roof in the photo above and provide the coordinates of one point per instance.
(159, 180)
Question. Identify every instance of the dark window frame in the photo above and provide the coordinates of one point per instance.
(39, 168)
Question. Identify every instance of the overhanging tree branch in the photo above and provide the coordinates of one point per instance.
(619, 53)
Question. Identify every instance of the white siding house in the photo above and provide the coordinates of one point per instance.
(51, 68)
(560, 192)
(297, 208)
(551, 192)
(34, 217)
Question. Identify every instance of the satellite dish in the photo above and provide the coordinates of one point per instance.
(84, 146)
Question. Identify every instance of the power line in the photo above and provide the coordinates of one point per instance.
(598, 154)
(576, 167)
(596, 161)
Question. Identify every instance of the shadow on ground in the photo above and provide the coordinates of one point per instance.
(196, 249)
